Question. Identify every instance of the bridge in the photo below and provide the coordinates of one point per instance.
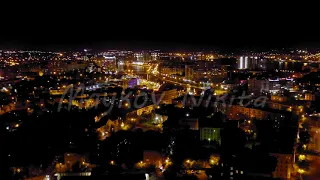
(186, 85)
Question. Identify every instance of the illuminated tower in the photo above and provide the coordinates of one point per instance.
(85, 56)
(243, 62)
(246, 62)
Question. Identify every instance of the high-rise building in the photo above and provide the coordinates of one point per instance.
(241, 63)
(246, 64)
(146, 56)
(86, 54)
(188, 72)
(253, 63)
(139, 57)
(155, 55)
(142, 56)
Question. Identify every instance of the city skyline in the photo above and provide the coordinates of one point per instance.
(159, 91)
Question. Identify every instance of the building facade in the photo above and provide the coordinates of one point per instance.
(241, 112)
(284, 166)
(210, 134)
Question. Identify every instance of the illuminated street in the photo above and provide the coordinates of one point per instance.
(314, 173)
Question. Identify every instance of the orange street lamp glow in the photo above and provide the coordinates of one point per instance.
(167, 160)
(301, 171)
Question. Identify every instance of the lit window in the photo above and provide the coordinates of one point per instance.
(241, 172)
(231, 173)
(231, 168)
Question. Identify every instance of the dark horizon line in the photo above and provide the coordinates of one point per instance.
(153, 45)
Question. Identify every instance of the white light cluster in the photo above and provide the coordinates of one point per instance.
(241, 63)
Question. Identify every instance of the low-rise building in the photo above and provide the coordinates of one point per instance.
(279, 98)
(241, 112)
(309, 97)
(152, 157)
(169, 95)
(210, 130)
(256, 86)
(191, 122)
(145, 109)
(284, 166)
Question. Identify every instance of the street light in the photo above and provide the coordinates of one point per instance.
(167, 160)
(301, 171)
(304, 147)
(60, 167)
(302, 157)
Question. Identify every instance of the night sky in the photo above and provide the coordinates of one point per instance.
(62, 26)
